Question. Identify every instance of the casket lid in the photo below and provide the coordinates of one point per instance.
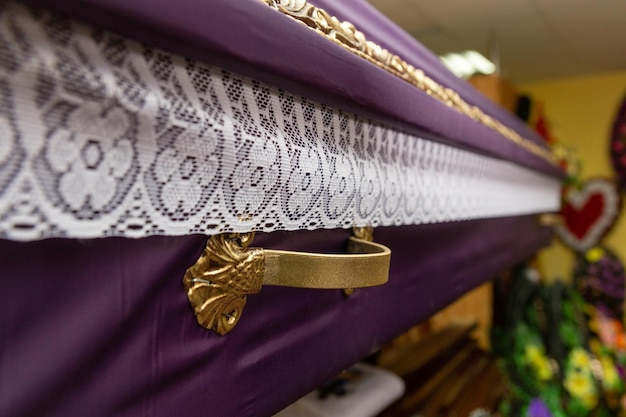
(254, 39)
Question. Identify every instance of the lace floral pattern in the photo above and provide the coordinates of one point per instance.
(102, 136)
(89, 157)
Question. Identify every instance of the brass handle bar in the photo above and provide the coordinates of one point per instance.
(365, 265)
(228, 271)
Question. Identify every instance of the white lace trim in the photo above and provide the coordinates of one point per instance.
(101, 136)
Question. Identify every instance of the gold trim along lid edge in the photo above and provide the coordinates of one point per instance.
(348, 37)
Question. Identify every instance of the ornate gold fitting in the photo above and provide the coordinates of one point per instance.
(228, 271)
(346, 35)
(218, 283)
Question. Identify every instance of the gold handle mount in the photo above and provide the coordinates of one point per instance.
(228, 271)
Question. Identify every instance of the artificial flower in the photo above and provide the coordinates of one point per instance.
(539, 362)
(537, 408)
(594, 254)
(580, 358)
(580, 386)
(610, 377)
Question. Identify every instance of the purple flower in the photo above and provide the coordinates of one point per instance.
(538, 408)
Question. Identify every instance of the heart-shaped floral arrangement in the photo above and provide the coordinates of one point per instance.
(589, 213)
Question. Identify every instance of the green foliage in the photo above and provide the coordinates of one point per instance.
(545, 354)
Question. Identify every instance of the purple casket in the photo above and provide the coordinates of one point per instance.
(134, 130)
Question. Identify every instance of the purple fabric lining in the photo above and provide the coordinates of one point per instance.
(248, 37)
(103, 327)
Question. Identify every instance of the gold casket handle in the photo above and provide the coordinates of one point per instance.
(228, 271)
(365, 265)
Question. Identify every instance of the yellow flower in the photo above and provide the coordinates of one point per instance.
(533, 351)
(580, 386)
(610, 377)
(539, 362)
(544, 372)
(580, 358)
(593, 255)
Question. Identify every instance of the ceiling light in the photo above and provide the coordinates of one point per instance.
(468, 63)
(480, 63)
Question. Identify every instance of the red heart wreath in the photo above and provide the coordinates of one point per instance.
(589, 213)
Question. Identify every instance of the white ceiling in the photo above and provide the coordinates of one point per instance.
(538, 39)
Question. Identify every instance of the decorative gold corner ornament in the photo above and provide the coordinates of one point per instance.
(348, 37)
(218, 283)
(228, 271)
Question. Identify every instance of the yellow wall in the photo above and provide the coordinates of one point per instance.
(580, 112)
